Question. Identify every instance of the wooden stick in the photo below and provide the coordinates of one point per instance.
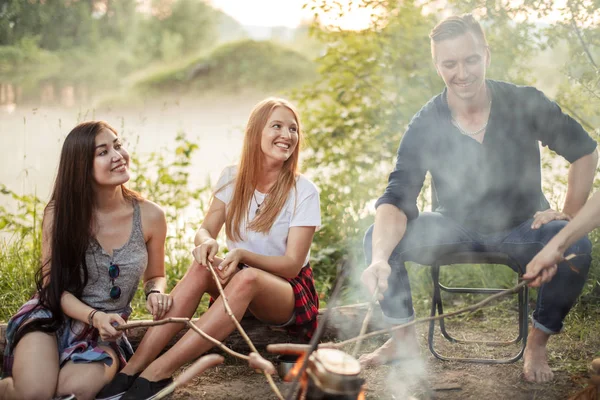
(137, 324)
(356, 305)
(195, 369)
(190, 324)
(365, 324)
(216, 342)
(472, 308)
(239, 327)
(313, 345)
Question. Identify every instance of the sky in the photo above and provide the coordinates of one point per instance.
(286, 13)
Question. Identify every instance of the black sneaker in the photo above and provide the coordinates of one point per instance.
(116, 388)
(143, 389)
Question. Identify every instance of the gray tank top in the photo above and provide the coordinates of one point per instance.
(132, 260)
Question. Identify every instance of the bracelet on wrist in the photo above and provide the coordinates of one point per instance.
(91, 317)
(150, 292)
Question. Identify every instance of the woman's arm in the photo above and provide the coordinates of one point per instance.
(155, 282)
(206, 247)
(286, 266)
(544, 264)
(76, 309)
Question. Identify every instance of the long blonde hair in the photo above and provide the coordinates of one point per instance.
(249, 170)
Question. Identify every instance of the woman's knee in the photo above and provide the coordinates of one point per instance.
(245, 281)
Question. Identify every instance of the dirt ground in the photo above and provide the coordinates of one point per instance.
(428, 378)
(441, 380)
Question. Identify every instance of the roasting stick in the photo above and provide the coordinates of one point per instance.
(472, 308)
(314, 341)
(196, 368)
(365, 324)
(239, 327)
(190, 324)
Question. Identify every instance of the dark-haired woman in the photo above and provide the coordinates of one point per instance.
(270, 213)
(99, 240)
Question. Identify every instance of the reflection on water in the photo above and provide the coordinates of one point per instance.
(31, 137)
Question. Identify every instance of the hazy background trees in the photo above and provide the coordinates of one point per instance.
(356, 90)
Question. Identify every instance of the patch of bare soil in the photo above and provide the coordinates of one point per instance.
(426, 378)
(437, 380)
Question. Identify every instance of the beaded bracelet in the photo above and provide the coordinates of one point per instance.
(91, 317)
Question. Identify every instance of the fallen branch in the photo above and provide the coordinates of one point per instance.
(313, 345)
(365, 324)
(240, 329)
(190, 324)
(148, 323)
(472, 308)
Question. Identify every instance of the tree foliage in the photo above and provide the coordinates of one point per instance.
(374, 80)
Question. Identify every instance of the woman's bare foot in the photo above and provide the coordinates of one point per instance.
(535, 367)
(402, 345)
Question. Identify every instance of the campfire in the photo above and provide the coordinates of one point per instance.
(330, 374)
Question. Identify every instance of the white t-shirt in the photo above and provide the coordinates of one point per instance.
(302, 208)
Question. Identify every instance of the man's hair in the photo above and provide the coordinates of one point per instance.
(454, 26)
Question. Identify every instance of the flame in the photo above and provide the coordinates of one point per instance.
(362, 394)
(295, 370)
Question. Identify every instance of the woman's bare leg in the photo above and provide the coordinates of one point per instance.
(35, 369)
(86, 380)
(186, 297)
(246, 288)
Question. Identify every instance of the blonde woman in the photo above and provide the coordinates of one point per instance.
(270, 213)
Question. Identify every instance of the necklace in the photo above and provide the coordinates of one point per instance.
(467, 133)
(257, 203)
(464, 131)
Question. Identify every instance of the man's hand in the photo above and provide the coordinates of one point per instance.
(543, 217)
(376, 275)
(543, 267)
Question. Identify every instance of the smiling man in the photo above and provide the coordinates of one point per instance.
(479, 139)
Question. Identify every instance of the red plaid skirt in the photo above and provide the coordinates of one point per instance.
(306, 308)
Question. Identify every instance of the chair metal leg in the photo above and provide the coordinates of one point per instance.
(437, 306)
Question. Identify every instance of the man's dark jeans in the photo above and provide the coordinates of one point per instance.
(432, 235)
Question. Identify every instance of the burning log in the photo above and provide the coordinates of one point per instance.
(330, 375)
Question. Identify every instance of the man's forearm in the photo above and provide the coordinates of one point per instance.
(581, 178)
(390, 226)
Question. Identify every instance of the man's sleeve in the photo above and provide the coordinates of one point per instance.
(557, 130)
(406, 181)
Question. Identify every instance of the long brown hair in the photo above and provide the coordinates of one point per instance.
(72, 204)
(249, 170)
